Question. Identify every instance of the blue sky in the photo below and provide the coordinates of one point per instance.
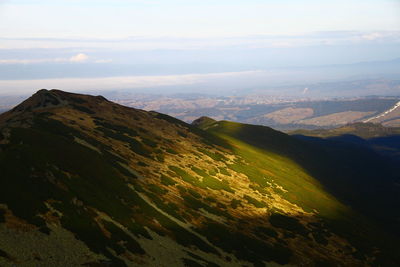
(188, 18)
(71, 39)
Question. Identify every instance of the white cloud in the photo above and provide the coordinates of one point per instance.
(371, 36)
(386, 37)
(185, 43)
(79, 58)
(21, 61)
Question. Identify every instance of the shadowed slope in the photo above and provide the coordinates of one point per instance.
(354, 174)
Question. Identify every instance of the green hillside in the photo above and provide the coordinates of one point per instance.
(322, 172)
(84, 181)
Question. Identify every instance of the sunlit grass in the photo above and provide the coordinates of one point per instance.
(268, 169)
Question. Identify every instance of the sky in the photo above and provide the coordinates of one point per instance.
(68, 42)
(187, 18)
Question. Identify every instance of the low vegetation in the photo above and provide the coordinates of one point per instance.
(135, 186)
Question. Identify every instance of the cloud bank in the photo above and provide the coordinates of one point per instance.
(11, 87)
(78, 58)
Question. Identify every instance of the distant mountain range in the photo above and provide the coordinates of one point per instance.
(85, 181)
(281, 113)
(383, 140)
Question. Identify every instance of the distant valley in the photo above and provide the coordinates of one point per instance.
(277, 112)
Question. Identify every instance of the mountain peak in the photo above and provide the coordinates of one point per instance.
(44, 98)
(41, 99)
(203, 122)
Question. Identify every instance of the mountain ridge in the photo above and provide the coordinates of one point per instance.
(128, 187)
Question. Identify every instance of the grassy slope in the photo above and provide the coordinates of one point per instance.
(264, 165)
(46, 173)
(288, 159)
